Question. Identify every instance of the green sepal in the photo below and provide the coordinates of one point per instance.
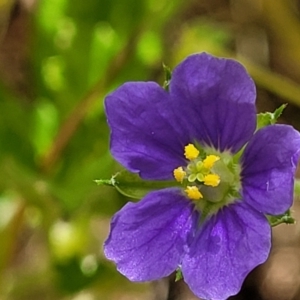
(168, 76)
(178, 275)
(267, 118)
(285, 218)
(132, 186)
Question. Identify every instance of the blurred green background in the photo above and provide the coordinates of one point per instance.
(58, 60)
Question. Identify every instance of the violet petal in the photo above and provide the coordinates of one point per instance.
(229, 245)
(142, 139)
(215, 101)
(147, 238)
(268, 168)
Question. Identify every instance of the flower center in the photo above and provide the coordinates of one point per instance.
(209, 175)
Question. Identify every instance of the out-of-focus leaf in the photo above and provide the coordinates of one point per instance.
(32, 189)
(149, 48)
(49, 14)
(125, 18)
(45, 125)
(67, 239)
(15, 129)
(71, 277)
(12, 218)
(53, 72)
(202, 36)
(104, 45)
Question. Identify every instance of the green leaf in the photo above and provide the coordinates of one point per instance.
(285, 218)
(265, 119)
(132, 186)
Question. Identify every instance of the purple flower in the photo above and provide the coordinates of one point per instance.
(201, 134)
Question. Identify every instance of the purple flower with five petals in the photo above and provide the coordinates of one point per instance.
(201, 134)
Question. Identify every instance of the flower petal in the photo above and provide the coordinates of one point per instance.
(268, 168)
(147, 238)
(142, 139)
(215, 100)
(227, 248)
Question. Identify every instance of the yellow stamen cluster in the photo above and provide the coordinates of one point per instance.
(193, 193)
(197, 171)
(191, 152)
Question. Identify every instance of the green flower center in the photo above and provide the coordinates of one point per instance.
(211, 179)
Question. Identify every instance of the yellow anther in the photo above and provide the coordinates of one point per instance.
(210, 160)
(193, 193)
(212, 180)
(179, 174)
(191, 152)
